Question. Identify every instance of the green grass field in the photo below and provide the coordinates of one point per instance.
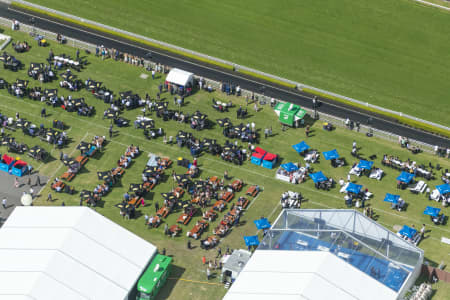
(389, 53)
(188, 278)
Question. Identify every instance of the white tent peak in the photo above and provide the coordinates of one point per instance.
(180, 77)
(69, 253)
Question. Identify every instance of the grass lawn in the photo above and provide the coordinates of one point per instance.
(389, 53)
(188, 278)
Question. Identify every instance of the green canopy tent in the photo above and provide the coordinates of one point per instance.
(154, 277)
(290, 114)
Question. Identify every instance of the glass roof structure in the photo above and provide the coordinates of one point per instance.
(349, 235)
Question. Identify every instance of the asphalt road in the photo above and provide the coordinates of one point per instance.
(215, 73)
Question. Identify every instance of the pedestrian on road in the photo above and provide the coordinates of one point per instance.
(49, 197)
(31, 192)
(16, 182)
(4, 202)
(110, 131)
(29, 180)
(38, 181)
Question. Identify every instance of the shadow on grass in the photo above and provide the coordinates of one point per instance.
(176, 272)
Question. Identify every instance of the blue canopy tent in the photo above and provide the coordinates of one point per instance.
(432, 211)
(408, 231)
(353, 188)
(251, 240)
(405, 177)
(443, 188)
(318, 177)
(364, 164)
(262, 223)
(332, 154)
(300, 147)
(289, 167)
(391, 198)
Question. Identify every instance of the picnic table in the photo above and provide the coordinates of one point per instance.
(163, 212)
(174, 230)
(219, 205)
(58, 184)
(242, 202)
(252, 191)
(199, 227)
(82, 159)
(209, 215)
(227, 196)
(237, 185)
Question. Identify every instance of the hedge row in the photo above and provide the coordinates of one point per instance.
(402, 120)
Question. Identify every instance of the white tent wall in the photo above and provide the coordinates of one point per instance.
(180, 77)
(312, 275)
(74, 252)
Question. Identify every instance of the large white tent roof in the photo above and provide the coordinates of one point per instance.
(179, 77)
(68, 253)
(309, 275)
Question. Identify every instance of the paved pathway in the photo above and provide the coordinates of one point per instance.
(14, 194)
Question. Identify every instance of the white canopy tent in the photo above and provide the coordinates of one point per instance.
(68, 253)
(180, 77)
(309, 275)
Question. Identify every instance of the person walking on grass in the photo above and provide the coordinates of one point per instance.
(208, 273)
(110, 131)
(307, 130)
(49, 197)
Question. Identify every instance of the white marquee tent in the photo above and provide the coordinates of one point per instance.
(308, 275)
(180, 77)
(68, 253)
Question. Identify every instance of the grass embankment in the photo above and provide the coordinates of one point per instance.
(121, 77)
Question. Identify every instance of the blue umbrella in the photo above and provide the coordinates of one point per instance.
(408, 231)
(432, 211)
(251, 240)
(262, 223)
(443, 188)
(405, 177)
(391, 198)
(332, 154)
(354, 188)
(300, 147)
(364, 164)
(318, 177)
(290, 167)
